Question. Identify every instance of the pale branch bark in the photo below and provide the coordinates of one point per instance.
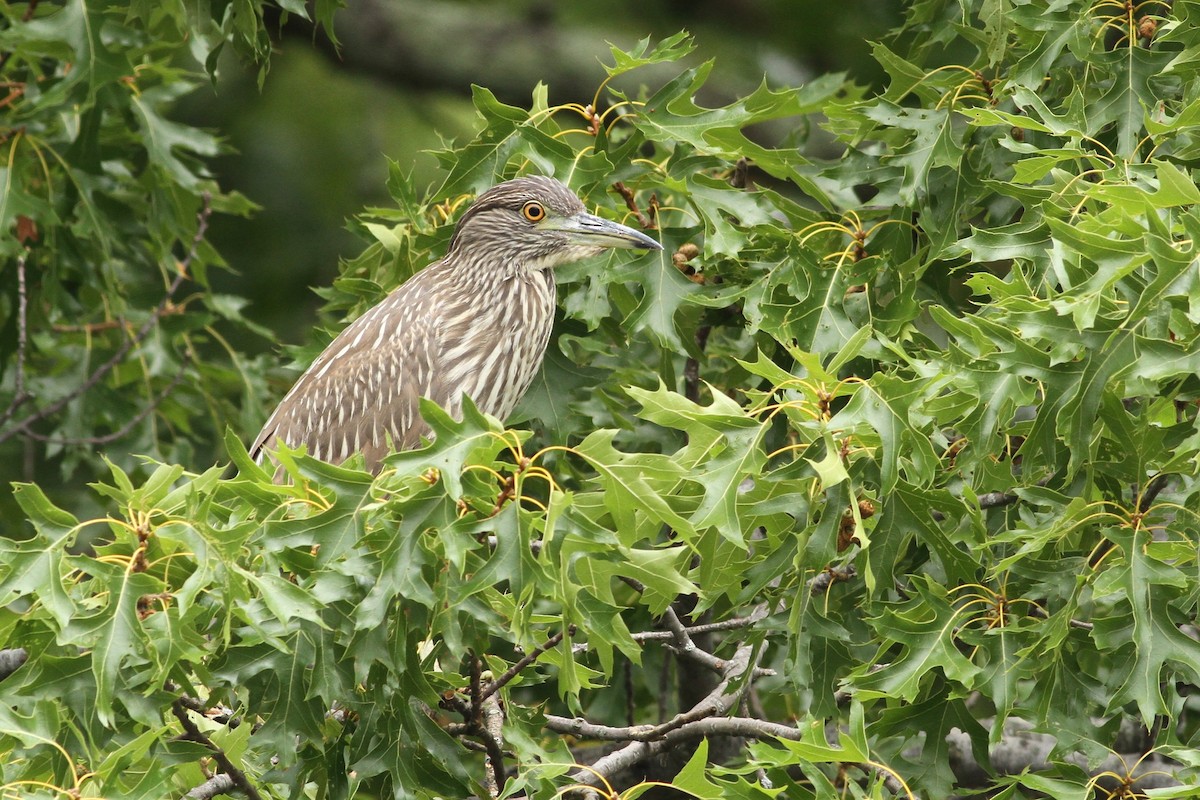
(23, 426)
(493, 723)
(192, 733)
(483, 718)
(684, 647)
(733, 623)
(996, 499)
(651, 739)
(747, 727)
(217, 784)
(826, 578)
(11, 660)
(1022, 748)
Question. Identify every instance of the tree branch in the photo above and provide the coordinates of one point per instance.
(512, 672)
(192, 733)
(217, 784)
(129, 425)
(1151, 492)
(491, 732)
(650, 739)
(11, 661)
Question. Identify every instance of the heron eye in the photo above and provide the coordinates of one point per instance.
(533, 211)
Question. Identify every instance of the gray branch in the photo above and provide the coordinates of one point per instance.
(11, 660)
(651, 739)
(217, 784)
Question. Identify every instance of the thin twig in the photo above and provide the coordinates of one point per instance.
(993, 499)
(193, 734)
(124, 430)
(19, 393)
(684, 647)
(525, 661)
(732, 623)
(710, 726)
(631, 203)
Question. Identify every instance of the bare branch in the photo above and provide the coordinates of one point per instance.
(826, 578)
(650, 739)
(631, 203)
(684, 646)
(996, 499)
(217, 784)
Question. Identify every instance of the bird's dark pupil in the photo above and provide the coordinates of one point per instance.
(534, 212)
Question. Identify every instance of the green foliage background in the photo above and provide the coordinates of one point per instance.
(922, 417)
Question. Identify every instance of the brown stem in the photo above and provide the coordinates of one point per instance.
(691, 367)
(631, 203)
(192, 733)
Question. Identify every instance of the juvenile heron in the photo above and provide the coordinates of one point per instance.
(475, 323)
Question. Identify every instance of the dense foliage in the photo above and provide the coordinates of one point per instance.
(888, 465)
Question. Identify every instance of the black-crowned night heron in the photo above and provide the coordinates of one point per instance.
(475, 323)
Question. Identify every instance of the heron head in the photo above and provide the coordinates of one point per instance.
(538, 223)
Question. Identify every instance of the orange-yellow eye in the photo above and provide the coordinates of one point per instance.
(533, 211)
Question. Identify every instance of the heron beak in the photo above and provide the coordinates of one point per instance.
(593, 231)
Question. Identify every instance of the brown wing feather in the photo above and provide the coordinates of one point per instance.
(365, 386)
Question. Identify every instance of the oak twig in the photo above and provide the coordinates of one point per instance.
(494, 686)
(631, 203)
(192, 733)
